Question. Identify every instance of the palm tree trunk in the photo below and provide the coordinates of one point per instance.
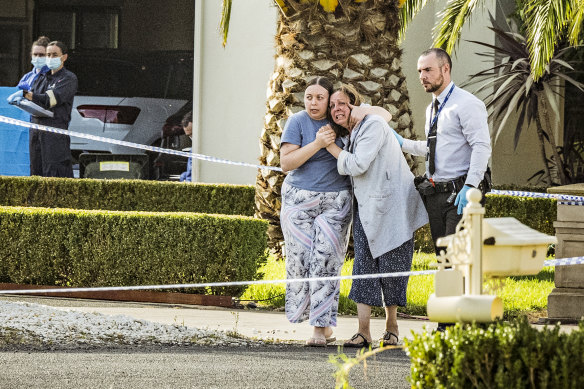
(356, 44)
(541, 137)
(552, 141)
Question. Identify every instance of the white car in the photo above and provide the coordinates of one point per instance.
(134, 97)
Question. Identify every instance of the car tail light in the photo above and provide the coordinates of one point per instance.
(110, 113)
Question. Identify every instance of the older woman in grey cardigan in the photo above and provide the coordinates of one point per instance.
(387, 212)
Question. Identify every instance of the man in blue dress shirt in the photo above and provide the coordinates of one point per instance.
(457, 148)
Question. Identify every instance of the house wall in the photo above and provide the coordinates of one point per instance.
(232, 87)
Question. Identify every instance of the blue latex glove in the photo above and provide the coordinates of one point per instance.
(16, 96)
(461, 200)
(399, 138)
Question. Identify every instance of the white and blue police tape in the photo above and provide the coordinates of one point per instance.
(130, 144)
(552, 262)
(564, 261)
(562, 198)
(220, 284)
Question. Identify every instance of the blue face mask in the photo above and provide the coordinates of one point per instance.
(54, 63)
(38, 62)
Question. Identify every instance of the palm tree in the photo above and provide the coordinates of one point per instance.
(349, 41)
(356, 41)
(547, 23)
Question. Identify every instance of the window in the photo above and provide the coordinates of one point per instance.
(159, 74)
(80, 27)
(10, 55)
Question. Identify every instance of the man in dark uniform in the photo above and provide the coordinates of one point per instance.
(50, 153)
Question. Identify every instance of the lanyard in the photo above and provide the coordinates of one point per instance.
(440, 109)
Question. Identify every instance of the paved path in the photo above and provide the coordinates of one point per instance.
(248, 322)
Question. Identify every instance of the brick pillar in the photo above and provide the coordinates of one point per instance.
(566, 301)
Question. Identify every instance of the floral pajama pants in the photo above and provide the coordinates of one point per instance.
(316, 234)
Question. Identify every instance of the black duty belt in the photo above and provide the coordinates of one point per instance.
(450, 186)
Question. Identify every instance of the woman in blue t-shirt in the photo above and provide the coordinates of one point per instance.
(316, 211)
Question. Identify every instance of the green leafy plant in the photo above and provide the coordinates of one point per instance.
(344, 364)
(126, 195)
(514, 89)
(497, 355)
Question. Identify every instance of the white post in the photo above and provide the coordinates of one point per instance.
(476, 213)
(197, 88)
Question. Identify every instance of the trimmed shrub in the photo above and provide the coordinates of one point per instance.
(500, 355)
(108, 248)
(537, 213)
(160, 196)
(126, 195)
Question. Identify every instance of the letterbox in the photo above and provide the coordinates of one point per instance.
(510, 248)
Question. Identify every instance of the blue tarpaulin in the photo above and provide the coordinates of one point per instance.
(14, 160)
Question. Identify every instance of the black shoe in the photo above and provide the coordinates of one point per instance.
(444, 326)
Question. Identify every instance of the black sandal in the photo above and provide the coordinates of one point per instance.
(364, 343)
(386, 339)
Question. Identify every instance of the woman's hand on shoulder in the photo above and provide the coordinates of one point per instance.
(358, 113)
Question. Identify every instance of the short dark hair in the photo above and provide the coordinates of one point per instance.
(60, 45)
(322, 81)
(188, 118)
(441, 54)
(41, 41)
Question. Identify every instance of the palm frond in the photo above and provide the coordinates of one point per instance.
(520, 121)
(569, 79)
(225, 19)
(576, 17)
(545, 21)
(452, 19)
(561, 62)
(551, 99)
(409, 9)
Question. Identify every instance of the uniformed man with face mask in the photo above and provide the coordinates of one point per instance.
(50, 154)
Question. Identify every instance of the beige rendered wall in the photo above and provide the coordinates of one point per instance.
(231, 86)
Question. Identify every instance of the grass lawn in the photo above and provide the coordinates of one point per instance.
(525, 295)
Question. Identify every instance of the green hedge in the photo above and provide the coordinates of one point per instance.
(108, 248)
(537, 213)
(157, 196)
(126, 195)
(501, 355)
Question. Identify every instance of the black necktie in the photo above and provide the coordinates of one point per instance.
(432, 138)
